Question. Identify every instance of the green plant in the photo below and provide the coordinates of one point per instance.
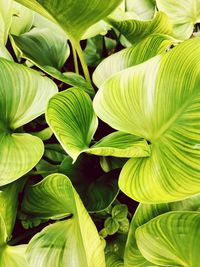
(99, 111)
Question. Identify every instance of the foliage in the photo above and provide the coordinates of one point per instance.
(99, 133)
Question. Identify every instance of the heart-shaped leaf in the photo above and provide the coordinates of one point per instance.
(71, 242)
(132, 101)
(71, 112)
(24, 96)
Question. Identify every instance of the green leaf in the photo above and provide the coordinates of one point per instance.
(96, 189)
(70, 115)
(71, 242)
(13, 256)
(10, 256)
(113, 260)
(132, 101)
(151, 46)
(43, 48)
(22, 19)
(5, 22)
(9, 204)
(75, 17)
(120, 212)
(136, 30)
(22, 100)
(175, 233)
(146, 212)
(111, 225)
(54, 152)
(182, 14)
(119, 144)
(20, 152)
(145, 9)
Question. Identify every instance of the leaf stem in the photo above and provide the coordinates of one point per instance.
(75, 60)
(76, 45)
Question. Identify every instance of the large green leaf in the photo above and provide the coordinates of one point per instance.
(143, 214)
(148, 101)
(71, 242)
(24, 96)
(5, 23)
(171, 239)
(70, 115)
(136, 30)
(183, 15)
(151, 46)
(75, 17)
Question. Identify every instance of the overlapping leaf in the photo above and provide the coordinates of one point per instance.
(24, 95)
(71, 242)
(143, 214)
(136, 30)
(71, 112)
(151, 46)
(150, 102)
(171, 239)
(183, 15)
(75, 17)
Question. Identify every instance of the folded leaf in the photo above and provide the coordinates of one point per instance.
(132, 101)
(182, 14)
(70, 115)
(175, 233)
(74, 17)
(136, 30)
(151, 46)
(72, 242)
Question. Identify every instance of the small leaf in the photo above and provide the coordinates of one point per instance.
(120, 212)
(111, 225)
